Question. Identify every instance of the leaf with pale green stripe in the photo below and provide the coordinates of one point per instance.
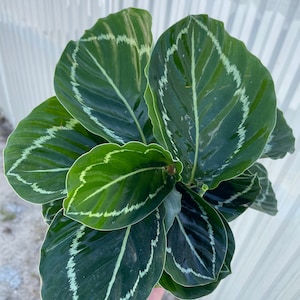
(232, 197)
(212, 103)
(192, 292)
(100, 78)
(266, 200)
(203, 240)
(114, 186)
(43, 146)
(281, 141)
(92, 264)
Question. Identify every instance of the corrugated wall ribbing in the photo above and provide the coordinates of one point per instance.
(33, 34)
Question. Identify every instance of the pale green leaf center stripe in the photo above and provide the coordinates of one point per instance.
(71, 265)
(163, 82)
(118, 263)
(118, 92)
(109, 184)
(195, 108)
(143, 49)
(36, 144)
(87, 110)
(143, 273)
(188, 270)
(190, 243)
(240, 91)
(115, 213)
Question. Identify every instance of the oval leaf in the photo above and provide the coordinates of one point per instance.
(184, 292)
(100, 78)
(206, 90)
(203, 240)
(44, 145)
(90, 264)
(114, 186)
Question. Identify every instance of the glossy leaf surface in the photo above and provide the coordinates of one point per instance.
(231, 198)
(92, 264)
(184, 292)
(203, 240)
(100, 78)
(43, 147)
(115, 186)
(212, 103)
(192, 292)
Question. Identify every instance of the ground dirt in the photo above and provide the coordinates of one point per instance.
(22, 230)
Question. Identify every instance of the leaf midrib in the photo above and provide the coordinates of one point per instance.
(120, 95)
(195, 107)
(111, 183)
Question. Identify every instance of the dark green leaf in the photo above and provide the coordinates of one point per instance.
(184, 292)
(266, 200)
(43, 147)
(281, 141)
(81, 263)
(212, 103)
(100, 78)
(231, 198)
(203, 240)
(114, 186)
(226, 268)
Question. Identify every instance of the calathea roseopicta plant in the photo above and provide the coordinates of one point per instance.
(144, 155)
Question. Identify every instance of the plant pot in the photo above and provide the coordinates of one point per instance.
(156, 294)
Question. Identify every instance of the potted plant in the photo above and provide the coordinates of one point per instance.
(144, 155)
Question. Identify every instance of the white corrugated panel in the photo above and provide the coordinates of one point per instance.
(33, 34)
